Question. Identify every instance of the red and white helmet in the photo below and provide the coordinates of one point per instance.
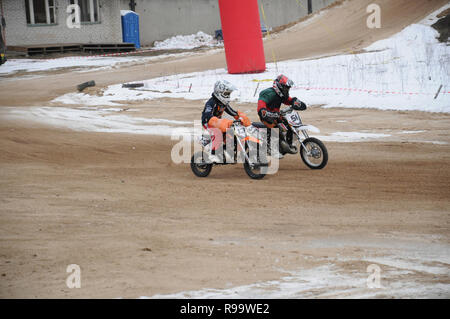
(282, 85)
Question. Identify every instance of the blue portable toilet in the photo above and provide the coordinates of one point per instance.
(130, 27)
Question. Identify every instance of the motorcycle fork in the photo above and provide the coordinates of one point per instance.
(299, 138)
(242, 148)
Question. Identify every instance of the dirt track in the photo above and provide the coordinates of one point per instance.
(94, 200)
(139, 225)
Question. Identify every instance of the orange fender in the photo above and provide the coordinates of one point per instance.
(251, 139)
(222, 124)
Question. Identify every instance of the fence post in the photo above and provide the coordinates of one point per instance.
(439, 91)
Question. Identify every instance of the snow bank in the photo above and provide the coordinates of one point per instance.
(102, 62)
(186, 42)
(99, 120)
(432, 18)
(403, 72)
(117, 120)
(35, 65)
(79, 63)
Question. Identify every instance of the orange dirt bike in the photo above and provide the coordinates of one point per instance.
(244, 143)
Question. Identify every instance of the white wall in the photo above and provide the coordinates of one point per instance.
(19, 33)
(161, 19)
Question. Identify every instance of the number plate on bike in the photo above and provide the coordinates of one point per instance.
(293, 119)
(240, 130)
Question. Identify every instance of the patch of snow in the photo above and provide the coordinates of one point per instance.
(325, 281)
(310, 128)
(408, 269)
(99, 121)
(115, 120)
(79, 63)
(433, 142)
(125, 12)
(186, 42)
(352, 137)
(411, 132)
(306, 283)
(84, 99)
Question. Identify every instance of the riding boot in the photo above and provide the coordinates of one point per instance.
(273, 152)
(284, 145)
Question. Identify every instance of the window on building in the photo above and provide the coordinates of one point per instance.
(40, 11)
(88, 10)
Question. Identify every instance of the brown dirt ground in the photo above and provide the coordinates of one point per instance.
(103, 200)
(138, 224)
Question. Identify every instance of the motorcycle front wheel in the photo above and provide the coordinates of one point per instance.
(199, 166)
(254, 169)
(314, 153)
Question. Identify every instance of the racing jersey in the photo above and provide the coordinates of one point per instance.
(214, 108)
(270, 100)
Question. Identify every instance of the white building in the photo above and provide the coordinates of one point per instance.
(39, 22)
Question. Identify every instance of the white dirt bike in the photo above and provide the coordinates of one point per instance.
(312, 150)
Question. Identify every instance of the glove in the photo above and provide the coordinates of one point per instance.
(269, 117)
(221, 124)
(244, 119)
(298, 105)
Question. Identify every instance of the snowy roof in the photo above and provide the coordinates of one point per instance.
(125, 12)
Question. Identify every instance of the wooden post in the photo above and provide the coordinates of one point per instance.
(310, 6)
(256, 89)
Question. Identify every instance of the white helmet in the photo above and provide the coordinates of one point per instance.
(222, 91)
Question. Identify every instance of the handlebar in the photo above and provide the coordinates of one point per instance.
(286, 110)
(292, 108)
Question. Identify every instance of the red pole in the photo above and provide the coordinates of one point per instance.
(242, 36)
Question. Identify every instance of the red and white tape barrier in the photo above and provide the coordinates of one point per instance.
(191, 87)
